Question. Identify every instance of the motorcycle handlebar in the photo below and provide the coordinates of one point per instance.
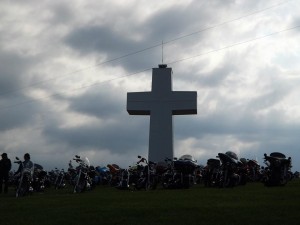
(78, 160)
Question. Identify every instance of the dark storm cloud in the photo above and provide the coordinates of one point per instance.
(177, 21)
(162, 25)
(216, 76)
(99, 39)
(15, 107)
(123, 135)
(213, 124)
(170, 23)
(104, 41)
(267, 100)
(102, 102)
(12, 71)
(16, 112)
(62, 13)
(115, 129)
(242, 123)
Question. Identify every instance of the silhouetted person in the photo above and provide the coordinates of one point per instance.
(27, 164)
(5, 166)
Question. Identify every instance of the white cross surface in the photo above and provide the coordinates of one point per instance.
(161, 104)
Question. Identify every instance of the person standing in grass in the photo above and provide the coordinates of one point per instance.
(5, 167)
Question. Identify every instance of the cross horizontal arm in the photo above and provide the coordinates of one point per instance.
(186, 102)
(137, 103)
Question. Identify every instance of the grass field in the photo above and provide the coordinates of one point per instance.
(251, 204)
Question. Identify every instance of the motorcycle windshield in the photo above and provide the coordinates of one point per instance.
(232, 155)
(187, 158)
(226, 158)
(86, 161)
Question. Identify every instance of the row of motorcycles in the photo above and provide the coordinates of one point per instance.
(226, 170)
(173, 173)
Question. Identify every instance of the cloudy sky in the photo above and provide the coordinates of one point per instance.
(66, 69)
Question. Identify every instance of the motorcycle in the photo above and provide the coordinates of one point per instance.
(82, 180)
(59, 179)
(24, 181)
(278, 170)
(146, 176)
(92, 176)
(39, 178)
(115, 174)
(254, 173)
(211, 173)
(103, 175)
(229, 175)
(180, 173)
(123, 180)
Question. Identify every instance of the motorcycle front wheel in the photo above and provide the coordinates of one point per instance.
(21, 190)
(80, 187)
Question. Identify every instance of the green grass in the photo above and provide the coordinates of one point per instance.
(250, 204)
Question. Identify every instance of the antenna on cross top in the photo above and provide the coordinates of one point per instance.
(162, 52)
(162, 65)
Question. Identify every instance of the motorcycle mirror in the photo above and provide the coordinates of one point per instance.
(139, 156)
(17, 158)
(77, 156)
(175, 158)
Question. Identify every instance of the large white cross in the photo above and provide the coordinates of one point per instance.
(161, 103)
